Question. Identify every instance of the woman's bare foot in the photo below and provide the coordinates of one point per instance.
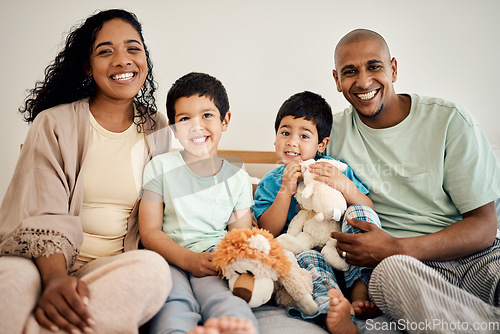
(365, 309)
(338, 318)
(225, 325)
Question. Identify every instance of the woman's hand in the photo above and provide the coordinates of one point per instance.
(63, 305)
(64, 300)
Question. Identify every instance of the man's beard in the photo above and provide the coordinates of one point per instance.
(374, 115)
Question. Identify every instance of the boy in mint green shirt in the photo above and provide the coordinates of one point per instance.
(189, 199)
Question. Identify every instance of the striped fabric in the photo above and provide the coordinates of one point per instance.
(446, 297)
(323, 274)
(478, 273)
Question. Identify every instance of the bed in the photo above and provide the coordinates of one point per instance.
(273, 319)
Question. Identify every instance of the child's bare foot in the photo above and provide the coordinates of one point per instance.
(338, 318)
(226, 325)
(365, 309)
(203, 330)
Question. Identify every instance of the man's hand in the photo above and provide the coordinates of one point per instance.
(200, 264)
(63, 305)
(365, 249)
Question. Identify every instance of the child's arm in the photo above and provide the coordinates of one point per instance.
(274, 218)
(153, 238)
(240, 219)
(332, 176)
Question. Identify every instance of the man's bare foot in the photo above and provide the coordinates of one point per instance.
(365, 309)
(338, 318)
(225, 325)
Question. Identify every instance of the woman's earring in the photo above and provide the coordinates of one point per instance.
(88, 80)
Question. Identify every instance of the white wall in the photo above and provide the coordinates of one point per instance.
(264, 51)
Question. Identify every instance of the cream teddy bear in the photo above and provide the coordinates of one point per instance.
(321, 209)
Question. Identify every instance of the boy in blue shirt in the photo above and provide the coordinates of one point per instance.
(189, 199)
(303, 126)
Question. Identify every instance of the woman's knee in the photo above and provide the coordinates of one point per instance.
(14, 270)
(20, 288)
(152, 262)
(143, 267)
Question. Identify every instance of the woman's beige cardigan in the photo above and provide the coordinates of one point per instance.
(40, 213)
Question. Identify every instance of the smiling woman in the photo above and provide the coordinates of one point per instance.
(94, 128)
(118, 64)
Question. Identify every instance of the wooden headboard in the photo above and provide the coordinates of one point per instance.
(251, 157)
(257, 163)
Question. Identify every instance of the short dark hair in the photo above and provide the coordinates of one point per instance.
(201, 84)
(310, 106)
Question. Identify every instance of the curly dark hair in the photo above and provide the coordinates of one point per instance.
(66, 79)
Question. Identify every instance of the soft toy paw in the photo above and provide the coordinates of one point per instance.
(256, 265)
(321, 209)
(331, 255)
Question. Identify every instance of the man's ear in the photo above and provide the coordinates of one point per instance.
(394, 66)
(324, 143)
(337, 81)
(225, 121)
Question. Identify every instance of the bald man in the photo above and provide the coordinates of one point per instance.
(433, 179)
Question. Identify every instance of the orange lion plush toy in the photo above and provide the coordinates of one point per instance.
(256, 265)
